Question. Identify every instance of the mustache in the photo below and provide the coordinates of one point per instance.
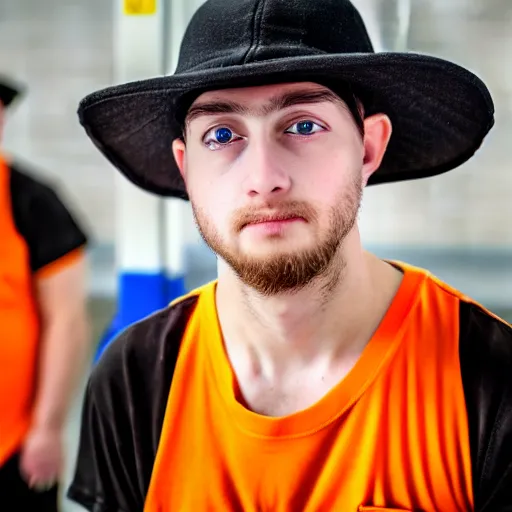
(282, 211)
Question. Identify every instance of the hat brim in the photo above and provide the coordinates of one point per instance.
(440, 112)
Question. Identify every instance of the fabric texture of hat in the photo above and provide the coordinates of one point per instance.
(9, 91)
(440, 111)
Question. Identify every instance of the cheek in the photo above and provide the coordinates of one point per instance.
(196, 170)
(324, 172)
(210, 172)
(211, 209)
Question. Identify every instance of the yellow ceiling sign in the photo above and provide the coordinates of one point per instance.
(139, 7)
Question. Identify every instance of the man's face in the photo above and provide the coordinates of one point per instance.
(274, 175)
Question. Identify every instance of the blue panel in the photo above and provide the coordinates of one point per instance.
(140, 295)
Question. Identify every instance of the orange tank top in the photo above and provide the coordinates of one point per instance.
(19, 327)
(392, 436)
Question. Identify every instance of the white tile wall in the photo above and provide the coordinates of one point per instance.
(472, 205)
(62, 49)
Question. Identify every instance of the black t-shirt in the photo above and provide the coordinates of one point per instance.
(47, 226)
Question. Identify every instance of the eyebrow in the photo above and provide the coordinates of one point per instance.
(275, 104)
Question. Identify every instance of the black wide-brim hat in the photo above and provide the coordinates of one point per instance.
(9, 91)
(440, 112)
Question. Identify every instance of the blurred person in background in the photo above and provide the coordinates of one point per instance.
(43, 330)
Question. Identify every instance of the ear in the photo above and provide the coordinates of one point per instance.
(377, 132)
(178, 150)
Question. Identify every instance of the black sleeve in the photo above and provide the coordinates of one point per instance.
(42, 219)
(486, 367)
(123, 413)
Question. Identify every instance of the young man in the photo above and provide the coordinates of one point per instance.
(43, 331)
(311, 376)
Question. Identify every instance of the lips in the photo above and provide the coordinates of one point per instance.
(273, 219)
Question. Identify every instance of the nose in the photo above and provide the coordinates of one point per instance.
(266, 176)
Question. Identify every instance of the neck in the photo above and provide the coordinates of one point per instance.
(330, 318)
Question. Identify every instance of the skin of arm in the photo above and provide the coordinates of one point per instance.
(64, 352)
(65, 341)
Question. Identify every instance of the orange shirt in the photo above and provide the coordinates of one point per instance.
(423, 422)
(38, 237)
(19, 327)
(393, 435)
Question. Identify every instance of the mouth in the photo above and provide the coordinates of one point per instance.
(273, 222)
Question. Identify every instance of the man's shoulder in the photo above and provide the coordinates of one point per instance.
(482, 334)
(26, 181)
(485, 351)
(485, 331)
(474, 319)
(485, 358)
(148, 348)
(124, 408)
(477, 323)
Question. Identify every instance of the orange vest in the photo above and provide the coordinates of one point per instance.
(391, 436)
(19, 327)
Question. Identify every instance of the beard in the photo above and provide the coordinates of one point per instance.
(289, 272)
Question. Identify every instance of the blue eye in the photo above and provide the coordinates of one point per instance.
(305, 128)
(223, 135)
(218, 138)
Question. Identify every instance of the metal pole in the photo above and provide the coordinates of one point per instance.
(180, 230)
(138, 54)
(404, 24)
